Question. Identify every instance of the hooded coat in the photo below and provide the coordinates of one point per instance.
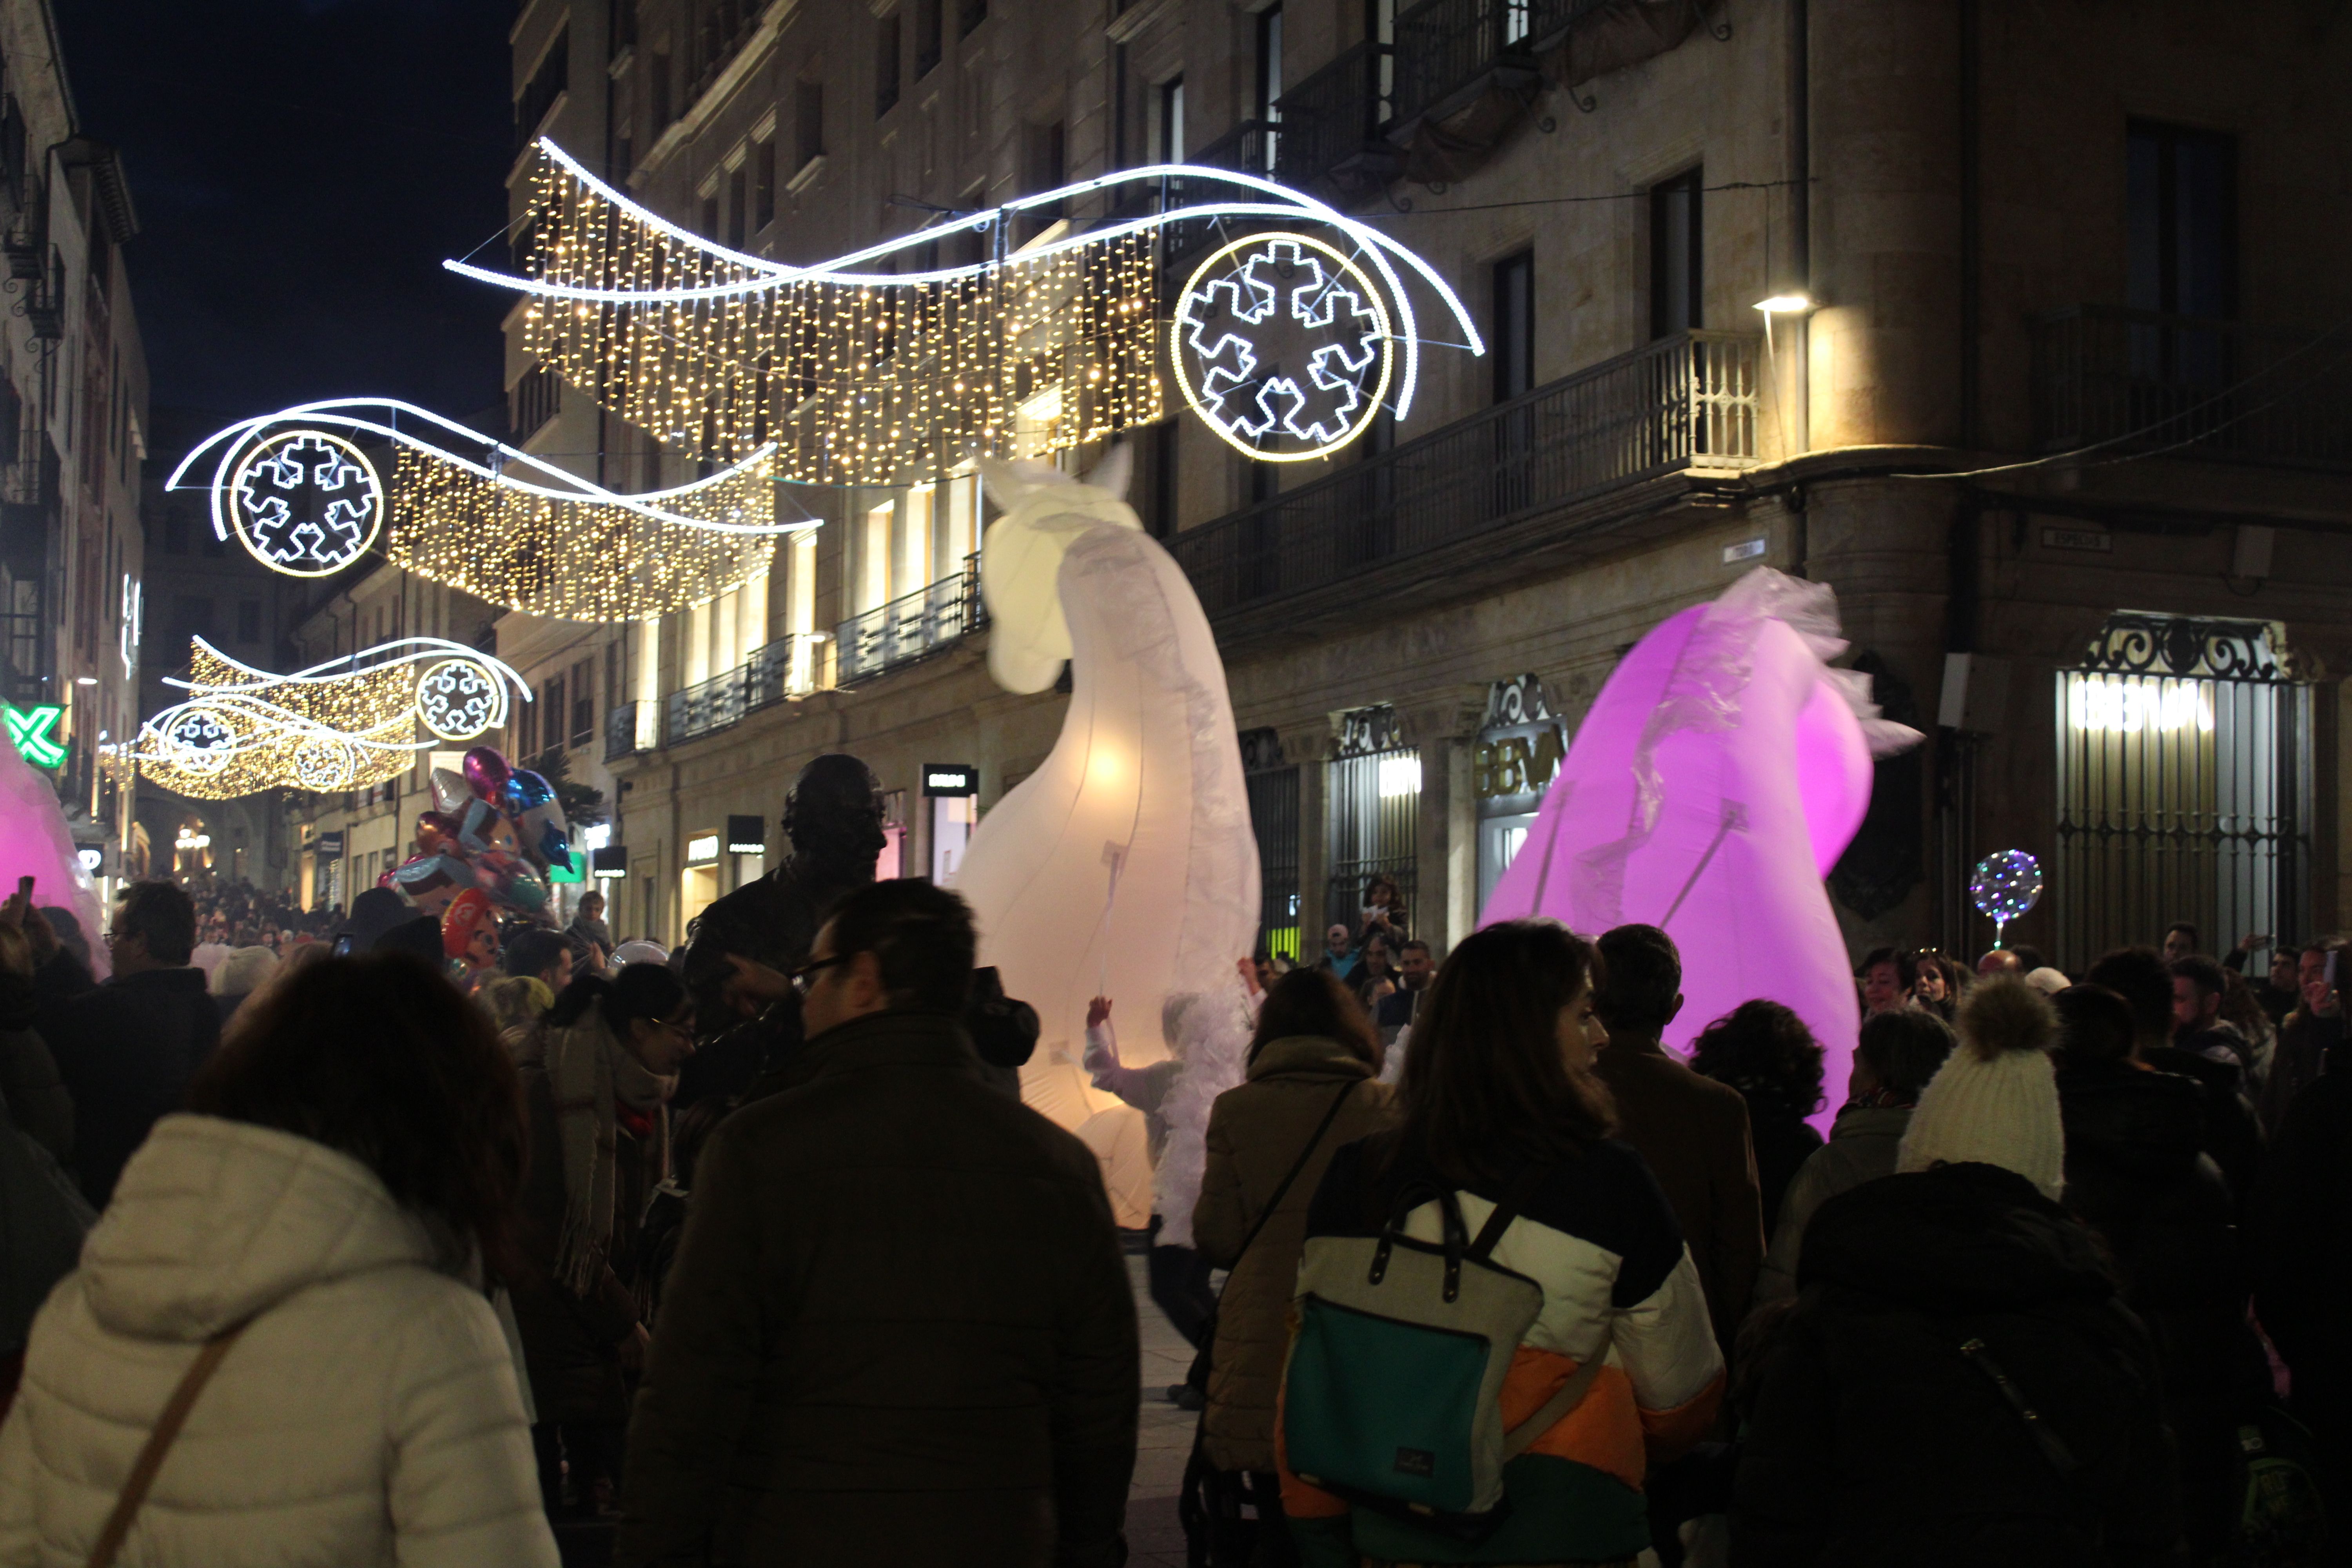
(1876, 1439)
(368, 1416)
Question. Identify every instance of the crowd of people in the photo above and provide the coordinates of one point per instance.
(754, 1256)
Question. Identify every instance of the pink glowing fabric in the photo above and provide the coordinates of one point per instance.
(1719, 776)
(35, 842)
(1124, 865)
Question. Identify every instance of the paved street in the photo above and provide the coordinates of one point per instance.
(1163, 1437)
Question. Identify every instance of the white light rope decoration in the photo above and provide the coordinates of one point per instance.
(510, 528)
(871, 376)
(1282, 347)
(348, 723)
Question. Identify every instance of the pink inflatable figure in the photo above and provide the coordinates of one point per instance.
(1721, 772)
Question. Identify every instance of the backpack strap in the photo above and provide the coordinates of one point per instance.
(1515, 1200)
(1554, 1410)
(2054, 1452)
(159, 1443)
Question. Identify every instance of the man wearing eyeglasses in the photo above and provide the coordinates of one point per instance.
(900, 1328)
(127, 1049)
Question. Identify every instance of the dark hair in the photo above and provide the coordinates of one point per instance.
(640, 990)
(1411, 943)
(2137, 974)
(1904, 1051)
(534, 951)
(2029, 957)
(1486, 1089)
(1904, 961)
(380, 1057)
(2202, 972)
(163, 914)
(2195, 938)
(2095, 1022)
(419, 938)
(1762, 1044)
(1316, 1002)
(1642, 974)
(920, 937)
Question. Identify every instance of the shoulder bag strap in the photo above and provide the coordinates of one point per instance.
(1283, 1190)
(159, 1443)
(1515, 1199)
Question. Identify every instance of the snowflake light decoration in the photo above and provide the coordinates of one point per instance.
(459, 699)
(1282, 345)
(306, 504)
(349, 723)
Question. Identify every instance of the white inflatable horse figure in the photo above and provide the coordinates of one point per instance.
(1125, 866)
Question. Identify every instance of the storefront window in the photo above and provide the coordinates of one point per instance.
(1374, 791)
(1520, 745)
(1273, 787)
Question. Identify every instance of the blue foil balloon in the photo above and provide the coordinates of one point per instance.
(555, 847)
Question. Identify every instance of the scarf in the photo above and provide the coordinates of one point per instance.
(597, 1083)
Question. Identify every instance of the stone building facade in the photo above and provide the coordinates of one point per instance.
(2055, 396)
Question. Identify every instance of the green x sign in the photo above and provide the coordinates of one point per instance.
(28, 730)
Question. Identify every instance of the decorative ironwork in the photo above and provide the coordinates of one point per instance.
(1366, 730)
(1261, 751)
(1272, 785)
(929, 620)
(2135, 643)
(1519, 701)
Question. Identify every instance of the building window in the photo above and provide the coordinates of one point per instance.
(1171, 120)
(249, 620)
(710, 213)
(808, 123)
(886, 65)
(927, 37)
(1512, 327)
(657, 93)
(737, 178)
(763, 182)
(970, 13)
(533, 402)
(1373, 795)
(2182, 220)
(583, 702)
(546, 85)
(1675, 255)
(552, 713)
(1162, 450)
(1269, 73)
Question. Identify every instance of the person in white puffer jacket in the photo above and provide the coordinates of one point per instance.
(355, 1154)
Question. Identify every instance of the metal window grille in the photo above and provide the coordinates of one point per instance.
(1273, 788)
(1374, 813)
(2184, 786)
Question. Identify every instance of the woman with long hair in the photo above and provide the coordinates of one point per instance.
(597, 1089)
(1499, 1104)
(300, 1255)
(1312, 1086)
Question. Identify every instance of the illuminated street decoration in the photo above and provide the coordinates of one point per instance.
(1282, 347)
(346, 724)
(883, 367)
(134, 615)
(28, 732)
(471, 511)
(305, 503)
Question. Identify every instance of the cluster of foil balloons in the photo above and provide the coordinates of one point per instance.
(495, 833)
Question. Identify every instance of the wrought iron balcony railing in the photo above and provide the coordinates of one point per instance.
(1686, 400)
(624, 736)
(916, 625)
(1444, 47)
(1331, 125)
(793, 666)
(2271, 395)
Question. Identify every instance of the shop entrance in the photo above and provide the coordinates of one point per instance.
(2184, 786)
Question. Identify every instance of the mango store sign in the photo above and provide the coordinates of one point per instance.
(29, 732)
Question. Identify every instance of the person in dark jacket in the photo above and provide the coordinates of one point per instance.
(33, 1094)
(597, 1076)
(2137, 1173)
(1959, 1383)
(2303, 1249)
(127, 1049)
(2309, 1034)
(900, 1328)
(2232, 1137)
(1764, 1050)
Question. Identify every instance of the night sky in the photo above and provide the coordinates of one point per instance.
(301, 168)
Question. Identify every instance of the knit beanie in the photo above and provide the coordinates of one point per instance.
(1995, 1100)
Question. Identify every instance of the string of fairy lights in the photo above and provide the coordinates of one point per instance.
(857, 383)
(347, 724)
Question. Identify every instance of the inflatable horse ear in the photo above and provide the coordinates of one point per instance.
(1124, 865)
(1722, 771)
(1044, 511)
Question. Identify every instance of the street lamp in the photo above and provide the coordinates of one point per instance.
(1798, 304)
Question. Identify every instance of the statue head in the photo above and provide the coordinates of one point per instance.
(834, 810)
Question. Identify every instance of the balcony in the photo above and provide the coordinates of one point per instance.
(928, 621)
(1247, 149)
(1331, 126)
(791, 667)
(1684, 402)
(720, 29)
(1450, 52)
(624, 730)
(2260, 395)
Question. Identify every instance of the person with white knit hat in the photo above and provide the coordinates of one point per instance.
(1996, 1101)
(1958, 1381)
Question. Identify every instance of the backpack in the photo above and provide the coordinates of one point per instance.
(2283, 1522)
(1391, 1397)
